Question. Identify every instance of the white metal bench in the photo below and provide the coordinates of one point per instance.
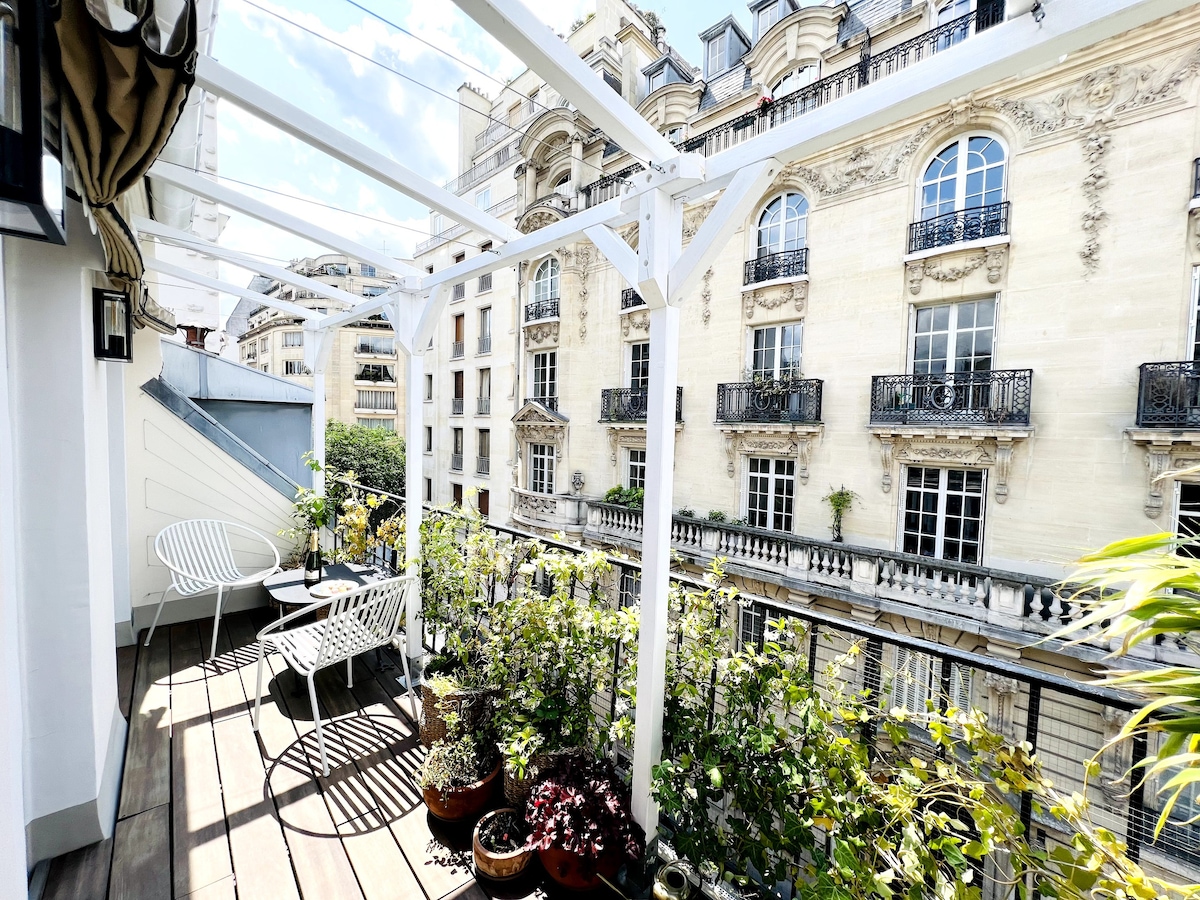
(200, 557)
(360, 620)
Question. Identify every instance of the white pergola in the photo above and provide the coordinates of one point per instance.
(662, 271)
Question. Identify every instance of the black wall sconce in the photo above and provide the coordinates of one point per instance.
(32, 182)
(112, 325)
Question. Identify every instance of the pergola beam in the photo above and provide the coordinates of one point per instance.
(265, 212)
(192, 242)
(515, 26)
(318, 133)
(225, 287)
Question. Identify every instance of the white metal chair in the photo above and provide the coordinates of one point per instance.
(360, 620)
(200, 557)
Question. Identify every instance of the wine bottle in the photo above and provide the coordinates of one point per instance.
(312, 561)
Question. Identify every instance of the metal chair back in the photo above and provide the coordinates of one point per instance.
(363, 619)
(198, 553)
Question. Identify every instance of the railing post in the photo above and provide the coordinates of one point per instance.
(414, 377)
(1135, 827)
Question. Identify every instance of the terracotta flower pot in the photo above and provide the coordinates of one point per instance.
(498, 866)
(456, 804)
(573, 872)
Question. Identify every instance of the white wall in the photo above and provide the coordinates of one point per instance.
(64, 543)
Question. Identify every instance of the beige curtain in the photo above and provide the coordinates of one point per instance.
(127, 69)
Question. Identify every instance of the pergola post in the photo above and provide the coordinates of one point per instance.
(414, 372)
(318, 345)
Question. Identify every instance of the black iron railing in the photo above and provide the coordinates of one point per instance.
(770, 400)
(1169, 395)
(456, 406)
(631, 298)
(963, 398)
(868, 69)
(548, 402)
(956, 227)
(483, 406)
(787, 264)
(1196, 179)
(631, 404)
(541, 309)
(607, 186)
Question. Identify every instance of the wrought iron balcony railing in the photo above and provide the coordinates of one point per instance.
(1169, 395)
(456, 406)
(483, 406)
(770, 400)
(956, 227)
(457, 350)
(999, 397)
(483, 465)
(485, 283)
(456, 461)
(868, 69)
(787, 264)
(631, 298)
(460, 291)
(541, 309)
(631, 404)
(485, 344)
(607, 186)
(548, 402)
(1196, 179)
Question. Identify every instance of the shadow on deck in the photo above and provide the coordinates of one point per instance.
(209, 810)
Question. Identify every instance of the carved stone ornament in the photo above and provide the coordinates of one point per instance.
(993, 258)
(554, 433)
(531, 505)
(706, 298)
(1001, 692)
(582, 260)
(542, 333)
(539, 218)
(791, 442)
(776, 297)
(619, 438)
(993, 451)
(1165, 453)
(694, 218)
(638, 321)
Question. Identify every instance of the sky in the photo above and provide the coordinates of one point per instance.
(381, 87)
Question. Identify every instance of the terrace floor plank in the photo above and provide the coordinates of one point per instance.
(80, 873)
(147, 779)
(141, 865)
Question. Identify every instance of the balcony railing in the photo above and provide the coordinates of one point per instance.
(457, 349)
(460, 291)
(630, 404)
(456, 461)
(481, 170)
(607, 186)
(773, 400)
(787, 264)
(1196, 179)
(485, 344)
(631, 298)
(483, 406)
(485, 283)
(1169, 395)
(456, 406)
(455, 230)
(541, 309)
(483, 465)
(961, 398)
(840, 84)
(548, 402)
(956, 227)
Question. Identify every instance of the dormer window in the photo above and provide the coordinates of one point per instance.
(656, 80)
(767, 16)
(674, 134)
(716, 54)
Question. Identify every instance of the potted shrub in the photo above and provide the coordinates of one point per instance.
(498, 844)
(459, 775)
(580, 823)
(840, 502)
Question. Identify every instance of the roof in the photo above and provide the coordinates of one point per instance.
(866, 14)
(728, 84)
(721, 26)
(681, 65)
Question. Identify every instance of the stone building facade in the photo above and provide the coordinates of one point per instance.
(981, 319)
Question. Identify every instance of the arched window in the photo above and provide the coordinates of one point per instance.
(562, 182)
(966, 174)
(793, 81)
(783, 225)
(950, 12)
(545, 281)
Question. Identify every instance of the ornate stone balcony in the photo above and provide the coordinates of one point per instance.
(552, 512)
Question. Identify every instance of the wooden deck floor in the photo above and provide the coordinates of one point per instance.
(211, 811)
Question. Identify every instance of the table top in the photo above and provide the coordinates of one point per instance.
(288, 587)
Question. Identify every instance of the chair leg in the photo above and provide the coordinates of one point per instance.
(258, 686)
(350, 673)
(316, 713)
(157, 613)
(217, 621)
(412, 697)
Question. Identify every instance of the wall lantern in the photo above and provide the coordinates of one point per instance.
(112, 324)
(32, 186)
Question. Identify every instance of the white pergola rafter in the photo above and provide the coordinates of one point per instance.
(215, 284)
(659, 268)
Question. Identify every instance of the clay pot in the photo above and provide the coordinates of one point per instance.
(457, 804)
(498, 866)
(572, 871)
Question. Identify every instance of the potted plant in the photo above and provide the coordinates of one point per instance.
(580, 823)
(459, 774)
(839, 502)
(498, 844)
